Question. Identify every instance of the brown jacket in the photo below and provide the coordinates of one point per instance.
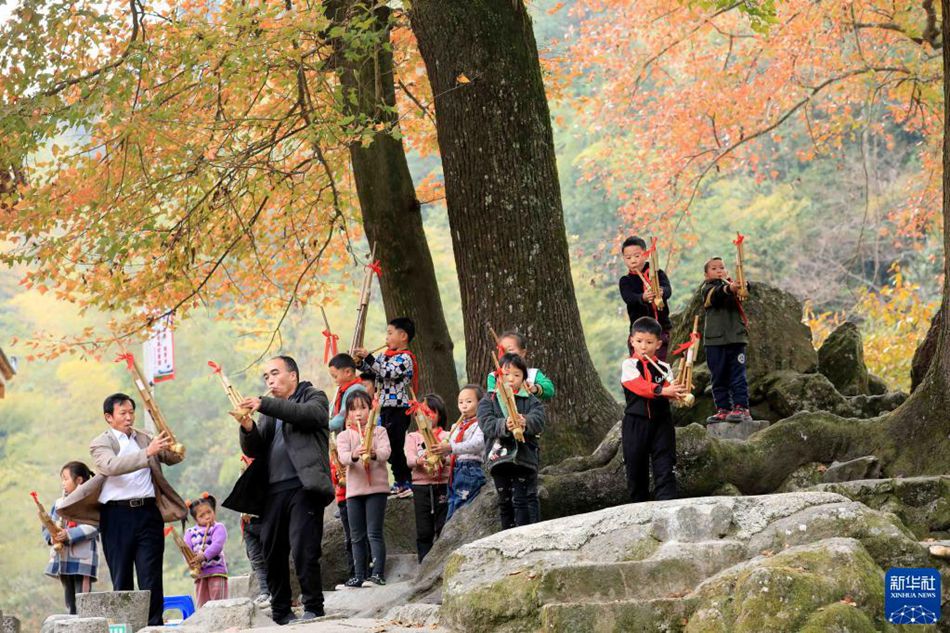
(82, 505)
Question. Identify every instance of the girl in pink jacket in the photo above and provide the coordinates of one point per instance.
(367, 487)
(430, 490)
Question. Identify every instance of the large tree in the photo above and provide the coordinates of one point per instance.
(504, 204)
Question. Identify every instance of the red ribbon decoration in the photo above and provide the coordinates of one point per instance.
(329, 345)
(128, 358)
(168, 530)
(501, 350)
(376, 268)
(693, 338)
(739, 239)
(421, 407)
(214, 366)
(650, 250)
(35, 498)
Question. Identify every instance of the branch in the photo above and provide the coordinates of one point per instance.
(95, 73)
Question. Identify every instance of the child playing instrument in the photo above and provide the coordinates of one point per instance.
(77, 563)
(637, 292)
(466, 447)
(396, 370)
(368, 380)
(207, 539)
(253, 548)
(647, 431)
(343, 373)
(513, 465)
(430, 492)
(536, 382)
(725, 337)
(367, 486)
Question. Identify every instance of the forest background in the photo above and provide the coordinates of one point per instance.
(838, 206)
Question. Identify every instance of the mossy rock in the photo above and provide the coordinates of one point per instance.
(841, 617)
(507, 605)
(778, 340)
(841, 360)
(782, 592)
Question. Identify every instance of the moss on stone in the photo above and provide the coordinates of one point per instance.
(640, 549)
(508, 605)
(839, 618)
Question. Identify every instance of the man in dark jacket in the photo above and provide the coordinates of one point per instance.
(288, 485)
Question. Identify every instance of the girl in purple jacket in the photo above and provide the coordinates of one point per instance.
(207, 540)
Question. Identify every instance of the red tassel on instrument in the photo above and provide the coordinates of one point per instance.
(330, 348)
(693, 338)
(376, 268)
(739, 239)
(423, 408)
(214, 366)
(128, 358)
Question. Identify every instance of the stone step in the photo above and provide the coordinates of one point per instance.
(666, 615)
(674, 569)
(401, 567)
(735, 430)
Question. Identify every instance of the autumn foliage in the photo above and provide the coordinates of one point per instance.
(677, 94)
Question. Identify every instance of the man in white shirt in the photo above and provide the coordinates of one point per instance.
(131, 501)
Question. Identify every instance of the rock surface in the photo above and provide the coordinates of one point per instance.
(9, 624)
(671, 565)
(49, 624)
(128, 607)
(841, 360)
(867, 467)
(921, 503)
(221, 615)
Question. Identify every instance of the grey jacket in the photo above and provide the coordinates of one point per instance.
(500, 445)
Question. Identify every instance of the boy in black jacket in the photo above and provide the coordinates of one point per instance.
(647, 432)
(725, 337)
(513, 465)
(637, 293)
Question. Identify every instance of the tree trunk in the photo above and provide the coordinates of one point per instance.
(504, 206)
(391, 212)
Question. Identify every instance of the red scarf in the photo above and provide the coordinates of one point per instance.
(464, 426)
(338, 400)
(389, 353)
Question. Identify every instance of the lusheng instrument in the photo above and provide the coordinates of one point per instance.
(685, 374)
(507, 397)
(655, 277)
(151, 406)
(365, 292)
(743, 292)
(368, 439)
(191, 559)
(47, 521)
(239, 413)
(423, 416)
(340, 471)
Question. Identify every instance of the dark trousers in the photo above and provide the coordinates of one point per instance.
(395, 421)
(467, 480)
(517, 488)
(254, 549)
(645, 441)
(135, 537)
(727, 365)
(347, 540)
(366, 514)
(432, 506)
(73, 584)
(292, 525)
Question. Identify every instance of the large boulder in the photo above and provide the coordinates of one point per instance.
(778, 340)
(225, 615)
(674, 565)
(921, 503)
(841, 360)
(783, 394)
